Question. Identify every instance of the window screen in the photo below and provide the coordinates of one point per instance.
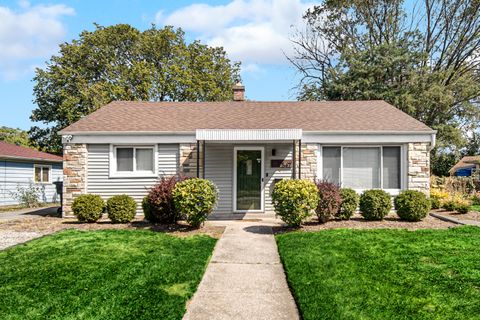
(361, 168)
(124, 159)
(144, 159)
(331, 164)
(391, 167)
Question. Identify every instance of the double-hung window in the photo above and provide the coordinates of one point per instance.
(42, 173)
(133, 161)
(363, 167)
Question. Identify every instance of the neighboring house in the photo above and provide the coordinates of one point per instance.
(244, 147)
(466, 167)
(21, 167)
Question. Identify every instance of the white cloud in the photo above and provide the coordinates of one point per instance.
(252, 31)
(29, 34)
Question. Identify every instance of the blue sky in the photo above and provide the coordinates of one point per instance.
(254, 32)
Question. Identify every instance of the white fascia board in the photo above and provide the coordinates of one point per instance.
(367, 137)
(130, 137)
(248, 134)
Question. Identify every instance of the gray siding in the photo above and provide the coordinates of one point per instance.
(219, 169)
(99, 182)
(20, 174)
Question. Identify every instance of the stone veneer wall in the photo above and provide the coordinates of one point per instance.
(188, 159)
(419, 166)
(74, 174)
(309, 161)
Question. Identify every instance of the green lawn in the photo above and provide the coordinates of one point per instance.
(475, 207)
(109, 274)
(384, 274)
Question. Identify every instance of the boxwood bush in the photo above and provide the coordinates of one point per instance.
(88, 207)
(349, 203)
(195, 199)
(375, 204)
(159, 201)
(121, 208)
(329, 200)
(412, 205)
(294, 200)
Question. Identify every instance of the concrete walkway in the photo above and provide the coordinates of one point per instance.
(245, 278)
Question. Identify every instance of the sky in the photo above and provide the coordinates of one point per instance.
(254, 32)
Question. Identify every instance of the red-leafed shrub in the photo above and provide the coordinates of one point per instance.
(330, 200)
(159, 201)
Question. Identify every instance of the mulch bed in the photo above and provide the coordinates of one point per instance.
(47, 225)
(472, 215)
(392, 221)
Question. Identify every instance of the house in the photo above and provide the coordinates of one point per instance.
(466, 167)
(21, 167)
(244, 147)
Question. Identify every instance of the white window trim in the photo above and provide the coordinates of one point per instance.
(113, 173)
(403, 164)
(49, 173)
(262, 185)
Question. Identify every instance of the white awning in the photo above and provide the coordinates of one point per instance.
(248, 134)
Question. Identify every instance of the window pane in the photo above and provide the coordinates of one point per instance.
(45, 174)
(144, 159)
(38, 174)
(124, 159)
(331, 164)
(391, 167)
(361, 168)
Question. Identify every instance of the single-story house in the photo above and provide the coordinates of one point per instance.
(466, 167)
(244, 147)
(21, 167)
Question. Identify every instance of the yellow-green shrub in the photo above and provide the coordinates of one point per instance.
(294, 200)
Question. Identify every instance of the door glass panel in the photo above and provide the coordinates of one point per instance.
(249, 176)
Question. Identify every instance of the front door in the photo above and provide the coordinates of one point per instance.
(248, 179)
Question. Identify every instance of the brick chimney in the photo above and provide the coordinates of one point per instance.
(238, 92)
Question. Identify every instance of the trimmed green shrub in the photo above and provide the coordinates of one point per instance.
(294, 200)
(462, 208)
(449, 205)
(349, 204)
(435, 202)
(329, 200)
(121, 208)
(375, 204)
(88, 207)
(160, 201)
(195, 199)
(412, 205)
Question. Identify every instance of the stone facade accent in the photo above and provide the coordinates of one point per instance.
(188, 159)
(309, 161)
(419, 167)
(74, 174)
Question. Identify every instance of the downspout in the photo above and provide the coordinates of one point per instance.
(203, 159)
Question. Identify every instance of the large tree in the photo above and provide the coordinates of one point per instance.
(122, 63)
(422, 57)
(14, 136)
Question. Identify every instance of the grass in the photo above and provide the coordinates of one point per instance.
(475, 207)
(384, 274)
(108, 274)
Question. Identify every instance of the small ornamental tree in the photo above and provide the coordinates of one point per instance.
(294, 200)
(349, 204)
(195, 199)
(159, 201)
(412, 205)
(375, 204)
(329, 200)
